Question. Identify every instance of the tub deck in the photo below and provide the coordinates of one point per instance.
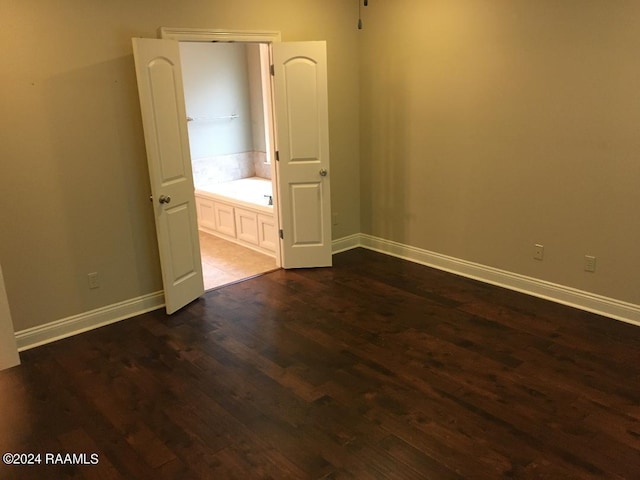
(248, 192)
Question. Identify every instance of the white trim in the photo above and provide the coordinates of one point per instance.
(590, 302)
(50, 332)
(213, 35)
(8, 350)
(268, 37)
(345, 243)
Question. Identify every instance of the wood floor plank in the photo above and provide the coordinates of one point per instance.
(376, 368)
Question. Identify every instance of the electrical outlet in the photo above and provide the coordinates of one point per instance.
(538, 251)
(590, 263)
(94, 281)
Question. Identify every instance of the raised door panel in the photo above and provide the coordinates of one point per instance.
(306, 202)
(225, 219)
(206, 215)
(267, 233)
(246, 226)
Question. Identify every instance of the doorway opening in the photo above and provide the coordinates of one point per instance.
(227, 89)
(301, 189)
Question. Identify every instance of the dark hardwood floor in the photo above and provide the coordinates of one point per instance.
(374, 369)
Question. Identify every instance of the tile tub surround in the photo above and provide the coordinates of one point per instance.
(227, 168)
(262, 168)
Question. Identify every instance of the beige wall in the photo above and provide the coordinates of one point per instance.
(484, 126)
(489, 126)
(8, 349)
(72, 160)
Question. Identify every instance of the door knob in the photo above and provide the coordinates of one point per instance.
(323, 172)
(164, 199)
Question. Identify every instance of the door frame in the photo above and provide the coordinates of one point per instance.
(9, 356)
(239, 36)
(214, 35)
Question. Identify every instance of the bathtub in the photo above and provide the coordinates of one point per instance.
(252, 192)
(238, 211)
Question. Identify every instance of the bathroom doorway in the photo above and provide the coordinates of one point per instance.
(227, 93)
(301, 191)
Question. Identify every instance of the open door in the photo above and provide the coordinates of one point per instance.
(302, 126)
(302, 179)
(166, 139)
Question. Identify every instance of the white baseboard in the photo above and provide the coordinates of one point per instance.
(346, 243)
(83, 322)
(590, 302)
(36, 336)
(610, 307)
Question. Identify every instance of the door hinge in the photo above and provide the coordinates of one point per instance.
(277, 156)
(281, 234)
(272, 69)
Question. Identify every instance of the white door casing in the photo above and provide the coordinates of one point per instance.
(302, 126)
(165, 129)
(8, 350)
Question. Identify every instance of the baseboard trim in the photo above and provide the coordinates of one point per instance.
(83, 322)
(346, 243)
(590, 302)
(67, 327)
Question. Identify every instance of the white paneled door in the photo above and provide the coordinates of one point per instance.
(302, 174)
(165, 130)
(302, 125)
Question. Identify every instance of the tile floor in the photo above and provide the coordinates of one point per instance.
(225, 262)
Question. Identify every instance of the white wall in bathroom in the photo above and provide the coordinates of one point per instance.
(216, 85)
